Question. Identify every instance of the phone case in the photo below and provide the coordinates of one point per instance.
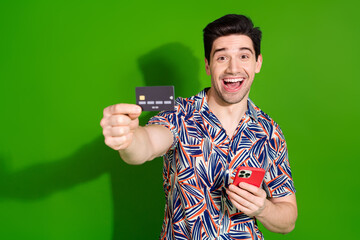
(249, 175)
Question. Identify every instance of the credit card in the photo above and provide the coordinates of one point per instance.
(155, 98)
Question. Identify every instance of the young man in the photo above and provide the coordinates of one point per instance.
(206, 138)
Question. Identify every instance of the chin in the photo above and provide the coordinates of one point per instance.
(231, 101)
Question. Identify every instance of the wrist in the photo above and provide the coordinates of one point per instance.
(266, 210)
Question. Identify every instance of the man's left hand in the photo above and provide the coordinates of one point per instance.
(247, 198)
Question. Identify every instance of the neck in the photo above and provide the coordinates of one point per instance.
(228, 114)
(219, 107)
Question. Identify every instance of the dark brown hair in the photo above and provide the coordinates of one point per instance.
(231, 24)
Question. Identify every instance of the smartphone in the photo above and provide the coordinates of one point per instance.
(249, 175)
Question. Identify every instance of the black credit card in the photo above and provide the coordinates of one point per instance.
(155, 98)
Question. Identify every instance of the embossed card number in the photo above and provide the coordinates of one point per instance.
(155, 98)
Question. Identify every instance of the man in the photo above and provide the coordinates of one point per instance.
(206, 138)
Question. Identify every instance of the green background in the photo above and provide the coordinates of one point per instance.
(62, 62)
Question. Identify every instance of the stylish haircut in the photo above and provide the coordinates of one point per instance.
(231, 24)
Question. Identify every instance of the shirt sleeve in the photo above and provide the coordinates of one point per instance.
(169, 120)
(278, 178)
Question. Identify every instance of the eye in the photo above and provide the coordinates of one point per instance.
(244, 56)
(221, 58)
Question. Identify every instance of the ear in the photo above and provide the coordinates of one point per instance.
(258, 64)
(207, 67)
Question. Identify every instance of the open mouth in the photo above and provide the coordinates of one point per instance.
(232, 84)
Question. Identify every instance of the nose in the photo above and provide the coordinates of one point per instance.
(234, 66)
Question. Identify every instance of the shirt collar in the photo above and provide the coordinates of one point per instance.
(252, 110)
(202, 105)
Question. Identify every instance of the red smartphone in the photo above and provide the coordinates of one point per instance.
(249, 175)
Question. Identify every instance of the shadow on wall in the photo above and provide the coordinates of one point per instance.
(170, 64)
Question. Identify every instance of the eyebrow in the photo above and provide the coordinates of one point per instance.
(240, 49)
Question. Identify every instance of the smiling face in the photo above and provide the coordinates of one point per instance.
(232, 68)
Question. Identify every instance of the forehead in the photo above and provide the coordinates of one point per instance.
(232, 43)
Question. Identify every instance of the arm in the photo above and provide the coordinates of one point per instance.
(276, 214)
(135, 144)
(148, 143)
(279, 214)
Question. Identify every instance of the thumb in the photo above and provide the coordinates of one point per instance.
(135, 113)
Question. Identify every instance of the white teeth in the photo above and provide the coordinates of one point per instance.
(233, 79)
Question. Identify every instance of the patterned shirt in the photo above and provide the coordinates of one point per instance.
(202, 162)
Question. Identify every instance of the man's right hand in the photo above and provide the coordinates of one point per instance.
(119, 123)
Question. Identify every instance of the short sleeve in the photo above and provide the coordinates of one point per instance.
(169, 120)
(278, 178)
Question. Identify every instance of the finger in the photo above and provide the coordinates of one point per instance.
(116, 131)
(104, 122)
(118, 143)
(241, 193)
(235, 189)
(248, 187)
(119, 120)
(252, 189)
(240, 206)
(237, 198)
(133, 116)
(122, 108)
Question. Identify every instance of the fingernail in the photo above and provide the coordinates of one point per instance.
(137, 109)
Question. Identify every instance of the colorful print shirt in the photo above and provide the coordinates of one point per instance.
(203, 161)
